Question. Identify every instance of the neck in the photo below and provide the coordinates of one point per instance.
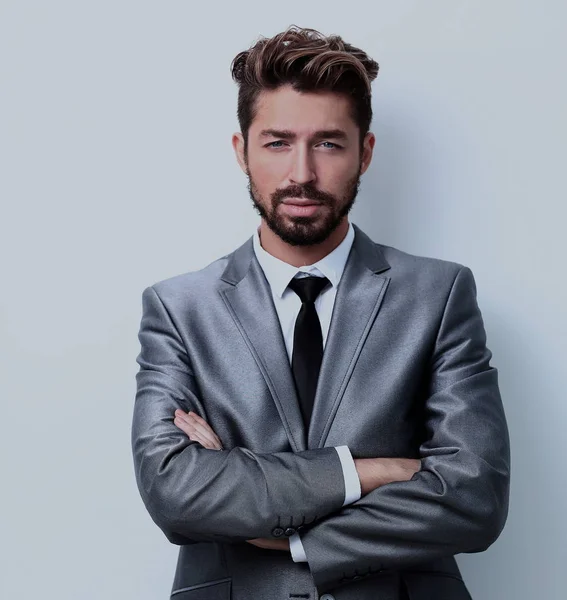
(299, 256)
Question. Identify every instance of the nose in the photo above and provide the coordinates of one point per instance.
(302, 170)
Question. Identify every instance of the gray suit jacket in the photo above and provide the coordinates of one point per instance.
(405, 373)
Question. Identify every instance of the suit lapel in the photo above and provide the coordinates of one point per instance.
(252, 308)
(358, 300)
(359, 296)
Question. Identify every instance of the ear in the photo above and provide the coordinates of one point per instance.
(238, 145)
(367, 148)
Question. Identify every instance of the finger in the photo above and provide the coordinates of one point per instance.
(183, 425)
(189, 430)
(205, 434)
(270, 544)
(195, 436)
(201, 423)
(204, 430)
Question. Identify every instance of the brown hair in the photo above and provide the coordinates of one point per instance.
(309, 61)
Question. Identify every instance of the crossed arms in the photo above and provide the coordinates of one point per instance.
(457, 502)
(370, 474)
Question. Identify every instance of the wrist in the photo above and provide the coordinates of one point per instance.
(366, 474)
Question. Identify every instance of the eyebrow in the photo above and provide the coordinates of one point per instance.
(337, 134)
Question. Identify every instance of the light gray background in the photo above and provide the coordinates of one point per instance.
(117, 171)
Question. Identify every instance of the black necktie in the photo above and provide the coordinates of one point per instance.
(307, 342)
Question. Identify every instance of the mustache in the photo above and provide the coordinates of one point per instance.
(303, 191)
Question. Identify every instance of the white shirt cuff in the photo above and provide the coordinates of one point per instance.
(350, 474)
(352, 494)
(296, 548)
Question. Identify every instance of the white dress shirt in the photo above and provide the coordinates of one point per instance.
(287, 303)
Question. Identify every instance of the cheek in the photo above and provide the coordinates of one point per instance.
(269, 167)
(267, 175)
(264, 183)
(335, 179)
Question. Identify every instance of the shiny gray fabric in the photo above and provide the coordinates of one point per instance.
(406, 373)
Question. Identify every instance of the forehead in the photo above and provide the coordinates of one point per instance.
(302, 112)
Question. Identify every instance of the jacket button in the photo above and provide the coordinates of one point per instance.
(289, 531)
(327, 597)
(277, 531)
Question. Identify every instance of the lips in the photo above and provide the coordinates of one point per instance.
(299, 202)
(300, 209)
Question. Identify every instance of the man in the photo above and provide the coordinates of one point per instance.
(316, 415)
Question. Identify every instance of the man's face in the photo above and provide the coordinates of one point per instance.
(303, 147)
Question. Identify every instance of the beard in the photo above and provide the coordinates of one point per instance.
(305, 230)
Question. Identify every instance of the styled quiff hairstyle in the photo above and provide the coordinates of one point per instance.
(309, 61)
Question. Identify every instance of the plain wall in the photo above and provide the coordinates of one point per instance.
(117, 171)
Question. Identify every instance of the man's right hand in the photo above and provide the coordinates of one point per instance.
(375, 472)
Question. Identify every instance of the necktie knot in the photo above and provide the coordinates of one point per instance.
(308, 288)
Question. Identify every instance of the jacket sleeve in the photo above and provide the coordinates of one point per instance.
(197, 494)
(458, 501)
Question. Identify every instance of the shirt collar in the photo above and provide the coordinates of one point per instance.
(279, 273)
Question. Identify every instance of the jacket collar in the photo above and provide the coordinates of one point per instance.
(365, 249)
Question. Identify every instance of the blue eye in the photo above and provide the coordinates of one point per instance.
(332, 145)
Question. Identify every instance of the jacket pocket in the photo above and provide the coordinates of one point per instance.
(423, 585)
(219, 589)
